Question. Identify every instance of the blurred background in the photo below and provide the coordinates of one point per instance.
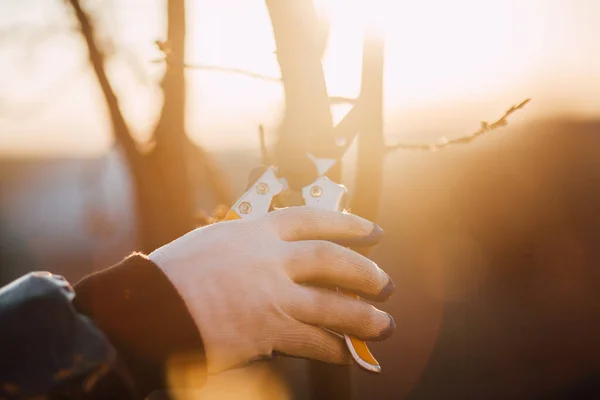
(493, 245)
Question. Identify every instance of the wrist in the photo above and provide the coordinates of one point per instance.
(219, 322)
(159, 259)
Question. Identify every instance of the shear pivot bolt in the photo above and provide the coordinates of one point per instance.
(262, 188)
(245, 207)
(316, 191)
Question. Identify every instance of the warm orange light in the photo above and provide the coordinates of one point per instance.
(438, 54)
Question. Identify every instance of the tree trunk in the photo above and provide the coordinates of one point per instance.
(165, 199)
(307, 123)
(164, 202)
(371, 146)
(307, 127)
(163, 182)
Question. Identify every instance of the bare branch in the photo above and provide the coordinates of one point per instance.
(164, 48)
(444, 142)
(307, 120)
(264, 153)
(334, 100)
(237, 71)
(120, 128)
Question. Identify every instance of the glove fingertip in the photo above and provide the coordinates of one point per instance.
(371, 239)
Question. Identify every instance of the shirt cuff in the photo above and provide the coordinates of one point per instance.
(137, 307)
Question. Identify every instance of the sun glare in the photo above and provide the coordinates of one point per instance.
(437, 54)
(434, 49)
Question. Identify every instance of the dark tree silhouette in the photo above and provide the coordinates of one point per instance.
(162, 172)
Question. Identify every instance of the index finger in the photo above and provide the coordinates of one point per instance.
(307, 223)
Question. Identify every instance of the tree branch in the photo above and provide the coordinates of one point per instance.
(171, 122)
(120, 128)
(237, 71)
(369, 121)
(444, 142)
(264, 153)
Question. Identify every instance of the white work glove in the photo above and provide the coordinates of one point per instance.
(245, 283)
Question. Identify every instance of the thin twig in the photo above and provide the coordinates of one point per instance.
(444, 142)
(264, 153)
(216, 68)
(334, 100)
(120, 128)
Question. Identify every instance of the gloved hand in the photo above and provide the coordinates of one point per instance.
(255, 287)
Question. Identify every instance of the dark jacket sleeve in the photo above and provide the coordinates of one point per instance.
(116, 335)
(49, 350)
(135, 305)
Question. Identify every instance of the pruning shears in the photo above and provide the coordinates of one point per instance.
(321, 192)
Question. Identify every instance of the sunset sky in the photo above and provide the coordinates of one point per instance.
(448, 64)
